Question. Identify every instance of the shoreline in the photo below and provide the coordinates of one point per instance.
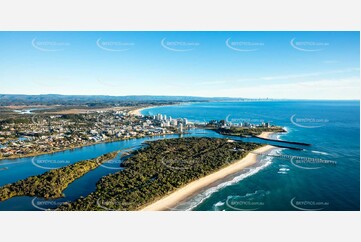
(137, 112)
(265, 135)
(79, 147)
(79, 171)
(194, 187)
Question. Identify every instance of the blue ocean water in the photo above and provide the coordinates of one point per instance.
(324, 176)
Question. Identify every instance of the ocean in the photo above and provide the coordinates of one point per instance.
(322, 177)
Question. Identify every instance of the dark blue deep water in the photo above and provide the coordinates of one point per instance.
(324, 176)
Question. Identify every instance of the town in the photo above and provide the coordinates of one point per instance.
(227, 125)
(243, 129)
(35, 134)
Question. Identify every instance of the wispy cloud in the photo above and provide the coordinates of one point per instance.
(319, 89)
(282, 77)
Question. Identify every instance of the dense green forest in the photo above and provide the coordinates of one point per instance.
(246, 131)
(159, 169)
(52, 183)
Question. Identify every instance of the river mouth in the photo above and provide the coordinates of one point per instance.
(285, 180)
(14, 170)
(87, 183)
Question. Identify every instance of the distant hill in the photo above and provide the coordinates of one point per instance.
(100, 100)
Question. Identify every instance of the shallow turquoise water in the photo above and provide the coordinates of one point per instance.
(307, 183)
(274, 183)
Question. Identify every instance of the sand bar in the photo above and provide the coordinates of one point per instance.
(265, 135)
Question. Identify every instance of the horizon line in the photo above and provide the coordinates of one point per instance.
(147, 95)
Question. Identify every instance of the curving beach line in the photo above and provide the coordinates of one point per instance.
(265, 135)
(138, 111)
(194, 187)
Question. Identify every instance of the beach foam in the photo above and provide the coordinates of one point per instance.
(319, 152)
(190, 204)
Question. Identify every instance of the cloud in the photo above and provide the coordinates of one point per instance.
(282, 77)
(318, 89)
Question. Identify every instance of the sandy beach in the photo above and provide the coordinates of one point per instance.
(265, 135)
(138, 111)
(192, 188)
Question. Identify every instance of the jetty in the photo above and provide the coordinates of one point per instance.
(283, 141)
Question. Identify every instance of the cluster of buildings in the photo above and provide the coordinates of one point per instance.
(224, 124)
(180, 124)
(54, 133)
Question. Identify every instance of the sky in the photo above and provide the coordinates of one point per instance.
(279, 65)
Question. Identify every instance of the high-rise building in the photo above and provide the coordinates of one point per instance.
(180, 127)
(159, 116)
(174, 122)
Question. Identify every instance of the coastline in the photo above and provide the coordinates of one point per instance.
(265, 135)
(137, 112)
(194, 187)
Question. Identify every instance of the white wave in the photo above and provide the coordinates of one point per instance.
(319, 152)
(257, 193)
(277, 152)
(283, 169)
(199, 198)
(287, 129)
(218, 204)
(279, 136)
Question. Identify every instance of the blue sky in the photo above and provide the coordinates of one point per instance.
(292, 65)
